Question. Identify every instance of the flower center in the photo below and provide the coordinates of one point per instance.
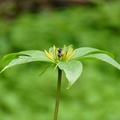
(60, 52)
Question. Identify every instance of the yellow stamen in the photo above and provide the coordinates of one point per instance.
(64, 56)
(69, 52)
(64, 48)
(49, 55)
(71, 55)
(55, 51)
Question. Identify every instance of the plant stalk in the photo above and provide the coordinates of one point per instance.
(58, 94)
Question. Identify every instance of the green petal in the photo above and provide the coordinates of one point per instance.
(72, 69)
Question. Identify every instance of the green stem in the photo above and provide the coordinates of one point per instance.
(58, 94)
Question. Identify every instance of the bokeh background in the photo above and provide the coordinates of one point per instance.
(40, 24)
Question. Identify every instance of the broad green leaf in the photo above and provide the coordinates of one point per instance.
(83, 51)
(36, 55)
(24, 57)
(7, 58)
(80, 52)
(104, 57)
(72, 69)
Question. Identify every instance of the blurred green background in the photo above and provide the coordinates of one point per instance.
(24, 95)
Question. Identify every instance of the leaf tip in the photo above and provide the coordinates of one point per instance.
(3, 69)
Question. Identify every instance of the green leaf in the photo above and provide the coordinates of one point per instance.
(80, 52)
(104, 57)
(36, 55)
(7, 58)
(83, 51)
(72, 69)
(24, 57)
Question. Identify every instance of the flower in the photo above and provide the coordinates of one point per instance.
(61, 54)
(66, 59)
